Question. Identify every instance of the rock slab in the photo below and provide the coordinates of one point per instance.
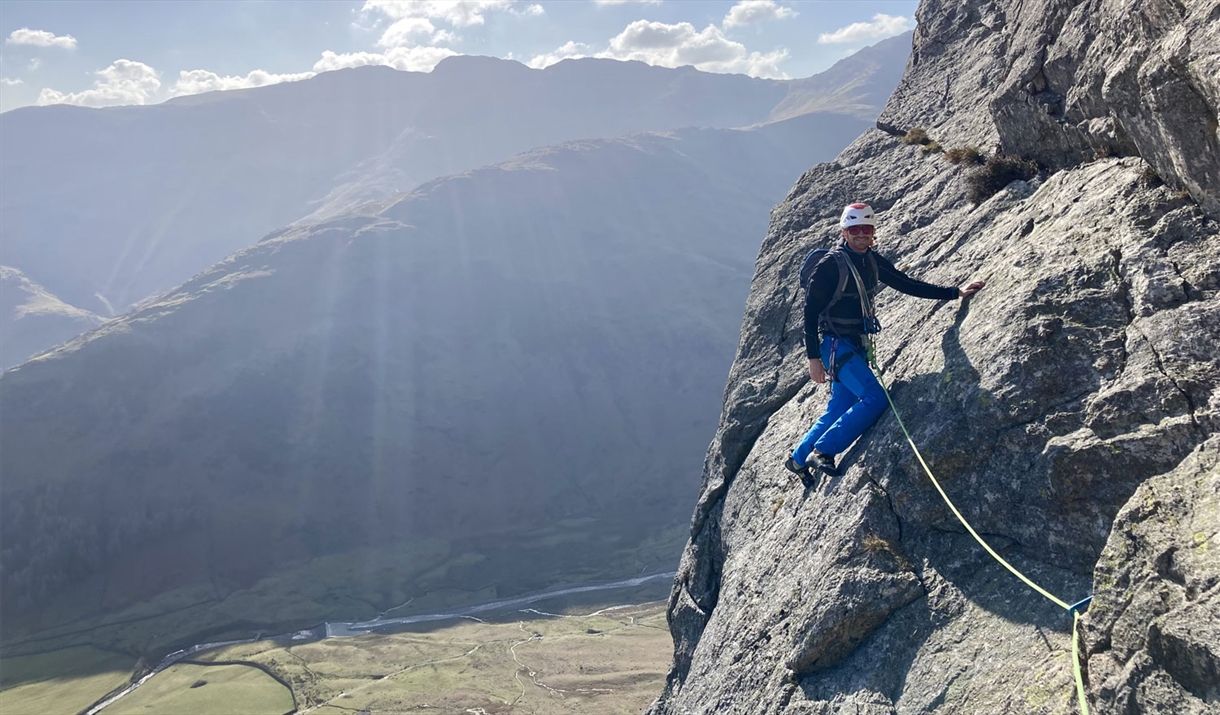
(1085, 368)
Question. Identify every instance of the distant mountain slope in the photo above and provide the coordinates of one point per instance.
(536, 340)
(140, 198)
(33, 319)
(107, 207)
(856, 85)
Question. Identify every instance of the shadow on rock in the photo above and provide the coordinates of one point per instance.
(980, 460)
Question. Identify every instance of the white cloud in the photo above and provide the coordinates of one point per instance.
(881, 27)
(10, 82)
(570, 50)
(401, 32)
(123, 82)
(413, 20)
(680, 44)
(333, 61)
(199, 81)
(441, 37)
(749, 11)
(40, 38)
(412, 59)
(35, 63)
(459, 13)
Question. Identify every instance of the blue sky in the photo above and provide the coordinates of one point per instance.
(99, 53)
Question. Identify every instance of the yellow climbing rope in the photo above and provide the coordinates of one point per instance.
(1054, 599)
(1073, 609)
(866, 309)
(1084, 702)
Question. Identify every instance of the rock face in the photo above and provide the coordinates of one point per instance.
(1154, 624)
(1064, 81)
(1085, 368)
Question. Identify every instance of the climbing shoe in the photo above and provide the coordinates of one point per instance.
(825, 463)
(802, 472)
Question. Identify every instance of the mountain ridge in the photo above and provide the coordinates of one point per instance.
(204, 176)
(35, 318)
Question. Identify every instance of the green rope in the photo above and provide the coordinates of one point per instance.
(1057, 601)
(1084, 702)
(1080, 691)
(1073, 609)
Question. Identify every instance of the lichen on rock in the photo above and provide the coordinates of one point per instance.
(1154, 624)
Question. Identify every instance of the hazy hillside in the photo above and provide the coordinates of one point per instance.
(856, 85)
(106, 207)
(127, 201)
(31, 318)
(542, 339)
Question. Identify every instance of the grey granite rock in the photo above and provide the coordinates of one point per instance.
(1154, 626)
(1065, 80)
(1086, 367)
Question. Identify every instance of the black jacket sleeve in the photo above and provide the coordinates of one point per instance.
(903, 283)
(821, 289)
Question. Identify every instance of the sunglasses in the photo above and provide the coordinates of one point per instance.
(857, 230)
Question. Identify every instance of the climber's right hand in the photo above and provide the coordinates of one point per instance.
(817, 372)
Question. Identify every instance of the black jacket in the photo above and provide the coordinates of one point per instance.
(825, 281)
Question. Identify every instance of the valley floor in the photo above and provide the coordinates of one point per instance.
(571, 653)
(612, 660)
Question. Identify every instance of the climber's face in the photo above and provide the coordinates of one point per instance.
(859, 238)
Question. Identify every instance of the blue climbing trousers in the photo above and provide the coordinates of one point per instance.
(856, 401)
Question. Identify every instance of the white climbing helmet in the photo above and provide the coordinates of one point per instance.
(857, 215)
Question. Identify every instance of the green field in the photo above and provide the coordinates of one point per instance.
(612, 661)
(82, 677)
(67, 668)
(575, 658)
(186, 689)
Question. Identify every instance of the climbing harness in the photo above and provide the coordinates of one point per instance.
(871, 324)
(827, 322)
(1073, 609)
(832, 367)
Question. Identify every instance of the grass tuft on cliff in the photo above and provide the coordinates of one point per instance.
(964, 155)
(996, 173)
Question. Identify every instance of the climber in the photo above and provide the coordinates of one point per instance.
(838, 321)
